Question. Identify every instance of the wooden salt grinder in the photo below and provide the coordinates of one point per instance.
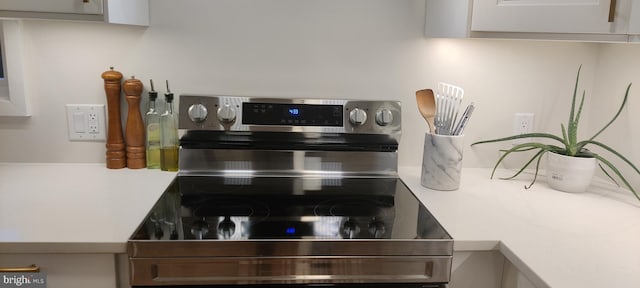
(134, 131)
(115, 141)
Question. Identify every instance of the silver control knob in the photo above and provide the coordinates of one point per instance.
(384, 117)
(226, 228)
(197, 113)
(199, 229)
(377, 229)
(350, 229)
(226, 114)
(357, 116)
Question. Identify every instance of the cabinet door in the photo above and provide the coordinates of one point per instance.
(68, 270)
(130, 12)
(53, 6)
(513, 278)
(476, 269)
(551, 16)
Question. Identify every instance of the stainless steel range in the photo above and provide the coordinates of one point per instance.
(289, 192)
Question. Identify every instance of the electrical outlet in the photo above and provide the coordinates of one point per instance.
(86, 122)
(522, 124)
(93, 122)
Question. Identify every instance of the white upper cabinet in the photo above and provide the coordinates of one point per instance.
(131, 12)
(589, 20)
(58, 6)
(548, 16)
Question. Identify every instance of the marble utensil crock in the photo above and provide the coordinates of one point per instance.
(442, 161)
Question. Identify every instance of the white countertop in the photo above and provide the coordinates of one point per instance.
(557, 239)
(58, 208)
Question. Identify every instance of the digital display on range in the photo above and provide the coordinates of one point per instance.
(292, 114)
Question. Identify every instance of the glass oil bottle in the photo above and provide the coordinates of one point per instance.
(168, 135)
(152, 120)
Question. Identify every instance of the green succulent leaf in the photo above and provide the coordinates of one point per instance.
(516, 149)
(573, 99)
(617, 172)
(624, 102)
(577, 119)
(521, 150)
(570, 150)
(526, 135)
(535, 175)
(608, 175)
(573, 126)
(541, 151)
(614, 152)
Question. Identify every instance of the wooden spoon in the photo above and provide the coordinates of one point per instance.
(427, 106)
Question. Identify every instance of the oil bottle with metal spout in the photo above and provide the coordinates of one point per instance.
(152, 119)
(168, 135)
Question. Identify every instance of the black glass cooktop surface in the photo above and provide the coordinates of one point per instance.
(246, 208)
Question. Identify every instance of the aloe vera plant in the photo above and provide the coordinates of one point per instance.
(568, 144)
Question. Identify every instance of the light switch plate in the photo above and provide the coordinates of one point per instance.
(86, 122)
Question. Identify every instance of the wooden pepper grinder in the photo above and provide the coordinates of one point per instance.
(134, 131)
(115, 141)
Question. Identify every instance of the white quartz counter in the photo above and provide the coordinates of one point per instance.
(74, 208)
(556, 239)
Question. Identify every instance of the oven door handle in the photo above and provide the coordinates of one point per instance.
(30, 269)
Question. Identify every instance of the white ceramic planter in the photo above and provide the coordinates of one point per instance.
(570, 174)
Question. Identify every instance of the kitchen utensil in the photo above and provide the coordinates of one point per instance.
(115, 140)
(427, 107)
(448, 100)
(464, 119)
(134, 131)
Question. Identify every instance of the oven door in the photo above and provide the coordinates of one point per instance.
(331, 271)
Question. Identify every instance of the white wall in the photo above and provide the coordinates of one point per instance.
(618, 65)
(286, 48)
(371, 49)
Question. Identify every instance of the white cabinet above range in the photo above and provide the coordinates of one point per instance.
(131, 12)
(585, 20)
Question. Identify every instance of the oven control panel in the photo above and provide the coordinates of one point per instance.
(231, 113)
(255, 113)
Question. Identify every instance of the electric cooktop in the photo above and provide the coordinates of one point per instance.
(214, 208)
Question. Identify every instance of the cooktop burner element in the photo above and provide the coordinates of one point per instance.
(288, 192)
